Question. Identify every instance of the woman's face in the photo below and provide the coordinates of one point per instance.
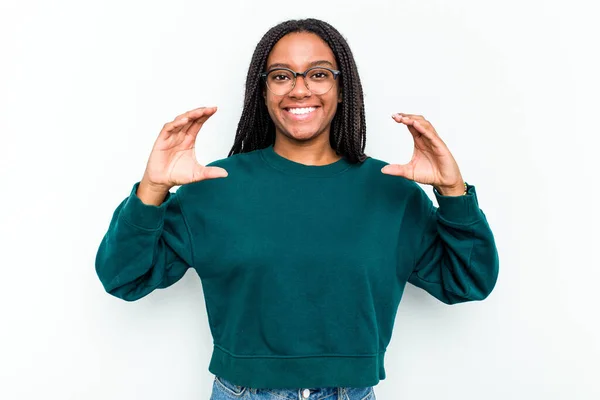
(299, 51)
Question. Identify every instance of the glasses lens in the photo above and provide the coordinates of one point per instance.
(319, 80)
(280, 81)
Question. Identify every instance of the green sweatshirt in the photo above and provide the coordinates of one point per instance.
(302, 267)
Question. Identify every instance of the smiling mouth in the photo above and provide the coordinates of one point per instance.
(300, 114)
(300, 111)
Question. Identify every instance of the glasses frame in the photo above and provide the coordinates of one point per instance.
(264, 75)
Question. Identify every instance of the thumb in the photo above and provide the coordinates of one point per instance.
(213, 172)
(404, 170)
(202, 173)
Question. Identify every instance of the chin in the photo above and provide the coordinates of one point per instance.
(302, 136)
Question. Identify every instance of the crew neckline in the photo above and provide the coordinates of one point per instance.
(288, 166)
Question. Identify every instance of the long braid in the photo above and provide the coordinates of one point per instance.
(348, 128)
(352, 113)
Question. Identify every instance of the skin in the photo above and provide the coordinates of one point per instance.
(431, 163)
(172, 161)
(305, 142)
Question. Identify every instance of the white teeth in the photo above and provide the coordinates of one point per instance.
(306, 110)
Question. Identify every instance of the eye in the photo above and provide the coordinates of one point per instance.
(279, 76)
(320, 74)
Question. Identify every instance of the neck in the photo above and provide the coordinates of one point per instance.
(311, 152)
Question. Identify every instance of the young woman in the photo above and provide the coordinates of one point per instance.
(302, 242)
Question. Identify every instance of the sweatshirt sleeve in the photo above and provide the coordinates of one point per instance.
(146, 247)
(456, 259)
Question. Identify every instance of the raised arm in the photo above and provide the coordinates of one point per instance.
(148, 242)
(455, 257)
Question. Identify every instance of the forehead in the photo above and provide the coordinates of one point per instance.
(298, 49)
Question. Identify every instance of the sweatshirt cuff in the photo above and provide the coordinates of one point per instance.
(141, 215)
(459, 209)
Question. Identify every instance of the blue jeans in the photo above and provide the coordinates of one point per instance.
(225, 390)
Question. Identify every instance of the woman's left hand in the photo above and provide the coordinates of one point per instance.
(432, 163)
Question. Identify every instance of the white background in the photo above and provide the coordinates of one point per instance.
(85, 87)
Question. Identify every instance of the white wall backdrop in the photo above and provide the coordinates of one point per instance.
(511, 86)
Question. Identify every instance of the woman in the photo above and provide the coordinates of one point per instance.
(303, 243)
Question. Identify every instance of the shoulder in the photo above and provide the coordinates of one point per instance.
(397, 192)
(236, 160)
(238, 166)
(395, 185)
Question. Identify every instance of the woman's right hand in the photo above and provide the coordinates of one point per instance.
(173, 158)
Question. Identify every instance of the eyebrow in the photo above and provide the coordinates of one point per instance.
(311, 64)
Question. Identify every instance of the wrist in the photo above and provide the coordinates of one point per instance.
(454, 190)
(154, 187)
(151, 194)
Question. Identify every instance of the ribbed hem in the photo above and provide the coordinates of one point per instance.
(141, 215)
(459, 209)
(279, 372)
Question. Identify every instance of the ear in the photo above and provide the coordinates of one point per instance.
(340, 96)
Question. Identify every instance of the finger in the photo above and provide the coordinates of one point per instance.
(419, 118)
(187, 126)
(185, 121)
(184, 127)
(413, 116)
(173, 126)
(400, 117)
(423, 135)
(195, 126)
(194, 114)
(417, 128)
(423, 129)
(404, 170)
(428, 137)
(409, 123)
(201, 111)
(214, 172)
(203, 173)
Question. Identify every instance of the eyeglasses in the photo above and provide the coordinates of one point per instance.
(281, 81)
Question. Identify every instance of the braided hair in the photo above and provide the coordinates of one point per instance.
(347, 136)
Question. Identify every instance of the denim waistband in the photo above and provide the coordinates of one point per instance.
(222, 385)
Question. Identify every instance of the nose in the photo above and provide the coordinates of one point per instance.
(300, 89)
